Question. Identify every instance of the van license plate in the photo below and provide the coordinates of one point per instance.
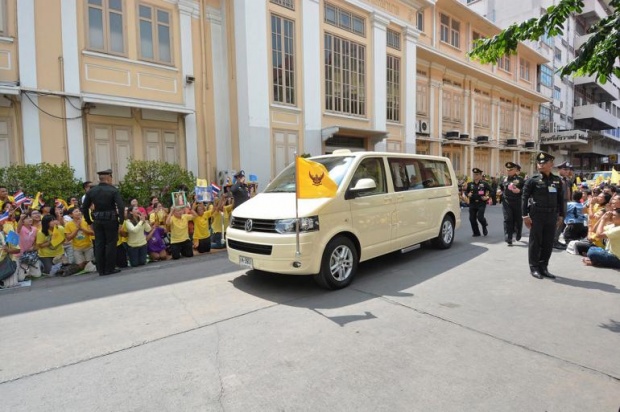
(246, 262)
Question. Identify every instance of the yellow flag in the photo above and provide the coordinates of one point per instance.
(578, 180)
(201, 183)
(598, 180)
(574, 188)
(615, 176)
(36, 203)
(313, 180)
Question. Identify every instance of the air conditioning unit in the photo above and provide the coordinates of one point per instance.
(464, 136)
(561, 105)
(423, 127)
(529, 145)
(453, 135)
(511, 142)
(482, 139)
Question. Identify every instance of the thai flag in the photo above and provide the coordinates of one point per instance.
(27, 201)
(215, 189)
(4, 217)
(19, 197)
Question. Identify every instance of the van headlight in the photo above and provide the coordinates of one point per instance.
(306, 224)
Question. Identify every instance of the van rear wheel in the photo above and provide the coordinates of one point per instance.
(338, 265)
(446, 234)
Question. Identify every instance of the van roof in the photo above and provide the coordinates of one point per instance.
(347, 152)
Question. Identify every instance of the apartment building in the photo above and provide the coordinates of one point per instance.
(215, 85)
(580, 122)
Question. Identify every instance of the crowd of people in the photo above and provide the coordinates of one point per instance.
(55, 238)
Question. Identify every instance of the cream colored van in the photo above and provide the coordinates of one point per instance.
(385, 202)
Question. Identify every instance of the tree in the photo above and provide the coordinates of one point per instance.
(598, 56)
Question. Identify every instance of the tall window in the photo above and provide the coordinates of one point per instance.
(393, 88)
(105, 26)
(345, 72)
(506, 118)
(283, 59)
(393, 39)
(504, 63)
(557, 93)
(546, 76)
(345, 19)
(420, 21)
(155, 34)
(524, 69)
(3, 20)
(450, 31)
(558, 54)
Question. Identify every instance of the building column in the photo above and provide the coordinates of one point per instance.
(253, 82)
(220, 86)
(28, 78)
(189, 10)
(76, 147)
(312, 65)
(466, 110)
(379, 84)
(411, 89)
(437, 89)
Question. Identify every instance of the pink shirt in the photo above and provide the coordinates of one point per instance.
(27, 237)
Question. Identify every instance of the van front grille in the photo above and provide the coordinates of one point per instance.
(250, 247)
(258, 225)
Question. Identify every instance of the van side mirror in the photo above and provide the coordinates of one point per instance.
(362, 185)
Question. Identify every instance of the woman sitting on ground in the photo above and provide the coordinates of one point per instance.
(136, 224)
(49, 242)
(156, 245)
(178, 221)
(595, 212)
(609, 228)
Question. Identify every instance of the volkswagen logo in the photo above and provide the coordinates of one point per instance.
(248, 225)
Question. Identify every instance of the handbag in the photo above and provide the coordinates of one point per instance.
(30, 258)
(7, 267)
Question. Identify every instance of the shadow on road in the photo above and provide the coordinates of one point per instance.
(588, 284)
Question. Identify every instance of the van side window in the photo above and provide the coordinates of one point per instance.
(371, 168)
(410, 174)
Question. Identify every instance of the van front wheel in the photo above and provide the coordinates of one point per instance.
(339, 264)
(446, 234)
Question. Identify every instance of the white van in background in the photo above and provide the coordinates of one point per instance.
(385, 202)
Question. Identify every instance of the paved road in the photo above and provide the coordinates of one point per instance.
(464, 329)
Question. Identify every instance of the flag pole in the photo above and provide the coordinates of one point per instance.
(297, 251)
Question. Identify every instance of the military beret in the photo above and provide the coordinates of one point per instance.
(512, 165)
(105, 172)
(544, 157)
(476, 170)
(565, 165)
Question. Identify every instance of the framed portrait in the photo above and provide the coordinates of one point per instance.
(179, 199)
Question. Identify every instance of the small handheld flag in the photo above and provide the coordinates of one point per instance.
(4, 217)
(12, 238)
(19, 197)
(215, 189)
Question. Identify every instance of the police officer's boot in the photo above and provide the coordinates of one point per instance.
(484, 230)
(534, 271)
(545, 273)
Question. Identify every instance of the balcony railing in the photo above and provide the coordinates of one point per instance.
(593, 117)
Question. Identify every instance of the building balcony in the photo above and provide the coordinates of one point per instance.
(592, 117)
(580, 40)
(602, 92)
(592, 11)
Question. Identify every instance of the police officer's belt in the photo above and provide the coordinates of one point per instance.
(107, 215)
(544, 209)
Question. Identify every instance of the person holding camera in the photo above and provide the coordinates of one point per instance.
(240, 190)
(136, 224)
(608, 228)
(511, 188)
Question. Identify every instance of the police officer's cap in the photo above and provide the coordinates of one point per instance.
(105, 172)
(544, 157)
(565, 165)
(241, 173)
(476, 170)
(512, 165)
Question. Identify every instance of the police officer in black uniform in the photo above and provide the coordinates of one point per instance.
(240, 190)
(478, 193)
(512, 187)
(543, 208)
(108, 214)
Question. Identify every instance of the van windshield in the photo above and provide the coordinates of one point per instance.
(337, 166)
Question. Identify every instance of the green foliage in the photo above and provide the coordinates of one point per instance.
(54, 181)
(146, 178)
(595, 57)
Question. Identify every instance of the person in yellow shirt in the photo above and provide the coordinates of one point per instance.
(202, 235)
(4, 197)
(80, 234)
(49, 242)
(178, 221)
(158, 214)
(221, 215)
(136, 224)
